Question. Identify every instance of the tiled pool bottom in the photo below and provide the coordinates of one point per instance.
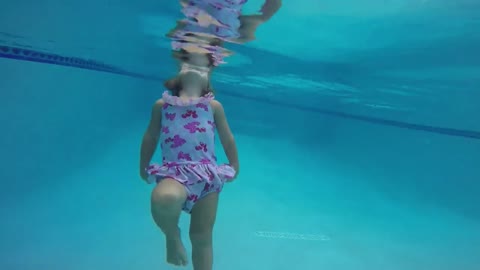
(99, 219)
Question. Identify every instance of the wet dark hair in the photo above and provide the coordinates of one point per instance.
(213, 41)
(184, 56)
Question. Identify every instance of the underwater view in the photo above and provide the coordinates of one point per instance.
(235, 134)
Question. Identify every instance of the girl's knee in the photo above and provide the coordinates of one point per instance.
(168, 194)
(201, 237)
(165, 199)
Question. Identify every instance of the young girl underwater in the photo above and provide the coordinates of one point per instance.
(188, 179)
(185, 122)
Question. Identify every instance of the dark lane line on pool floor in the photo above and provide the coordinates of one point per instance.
(19, 53)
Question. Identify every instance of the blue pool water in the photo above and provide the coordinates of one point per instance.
(357, 128)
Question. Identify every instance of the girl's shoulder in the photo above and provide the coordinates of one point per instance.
(157, 109)
(159, 103)
(216, 105)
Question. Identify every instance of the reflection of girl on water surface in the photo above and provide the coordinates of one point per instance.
(223, 19)
(199, 40)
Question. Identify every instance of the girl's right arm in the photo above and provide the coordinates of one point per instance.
(150, 138)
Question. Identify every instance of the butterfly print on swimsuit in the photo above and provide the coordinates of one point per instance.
(176, 141)
(190, 113)
(201, 147)
(202, 106)
(184, 156)
(211, 124)
(192, 197)
(170, 116)
(192, 127)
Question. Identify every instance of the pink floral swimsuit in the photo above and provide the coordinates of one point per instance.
(187, 142)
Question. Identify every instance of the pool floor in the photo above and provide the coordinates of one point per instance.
(322, 216)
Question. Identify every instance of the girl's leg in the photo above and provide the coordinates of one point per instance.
(168, 198)
(202, 220)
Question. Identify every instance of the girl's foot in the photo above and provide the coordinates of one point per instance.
(176, 253)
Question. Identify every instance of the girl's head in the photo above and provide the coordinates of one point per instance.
(190, 78)
(195, 72)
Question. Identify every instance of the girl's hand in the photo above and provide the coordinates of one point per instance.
(270, 7)
(232, 179)
(235, 167)
(144, 175)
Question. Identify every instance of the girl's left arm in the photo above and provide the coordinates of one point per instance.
(225, 134)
